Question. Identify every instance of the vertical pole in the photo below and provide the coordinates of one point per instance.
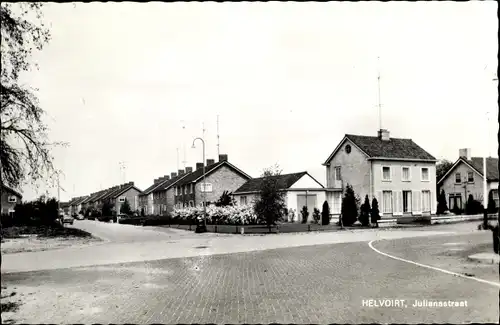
(218, 143)
(204, 190)
(379, 99)
(485, 197)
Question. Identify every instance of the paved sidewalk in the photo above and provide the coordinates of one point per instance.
(186, 247)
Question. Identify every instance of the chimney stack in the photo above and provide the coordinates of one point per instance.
(167, 177)
(465, 153)
(173, 175)
(180, 172)
(383, 135)
(210, 162)
(199, 166)
(222, 158)
(189, 170)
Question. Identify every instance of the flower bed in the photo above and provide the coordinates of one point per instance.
(228, 215)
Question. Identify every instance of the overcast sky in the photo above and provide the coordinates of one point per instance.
(287, 80)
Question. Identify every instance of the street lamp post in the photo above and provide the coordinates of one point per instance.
(202, 228)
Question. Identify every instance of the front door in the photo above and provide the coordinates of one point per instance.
(306, 200)
(406, 201)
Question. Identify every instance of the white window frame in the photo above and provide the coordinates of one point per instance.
(12, 199)
(460, 178)
(335, 169)
(388, 209)
(390, 174)
(422, 174)
(204, 186)
(121, 199)
(243, 200)
(468, 179)
(409, 174)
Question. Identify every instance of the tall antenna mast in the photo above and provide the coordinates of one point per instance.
(203, 129)
(218, 143)
(184, 142)
(177, 158)
(379, 99)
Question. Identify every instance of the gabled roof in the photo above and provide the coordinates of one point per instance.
(197, 175)
(78, 200)
(155, 187)
(376, 148)
(171, 182)
(123, 189)
(476, 163)
(11, 190)
(283, 182)
(94, 196)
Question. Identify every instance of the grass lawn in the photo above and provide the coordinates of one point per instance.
(19, 239)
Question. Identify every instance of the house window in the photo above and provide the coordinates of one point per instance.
(191, 188)
(191, 203)
(494, 194)
(425, 174)
(338, 175)
(206, 187)
(122, 199)
(406, 201)
(243, 200)
(12, 199)
(458, 178)
(386, 173)
(406, 174)
(185, 189)
(470, 177)
(387, 201)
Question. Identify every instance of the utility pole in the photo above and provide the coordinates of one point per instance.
(184, 142)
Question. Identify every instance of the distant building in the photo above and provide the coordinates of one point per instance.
(10, 198)
(465, 177)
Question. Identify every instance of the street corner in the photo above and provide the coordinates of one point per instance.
(485, 258)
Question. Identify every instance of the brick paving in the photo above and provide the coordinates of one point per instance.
(313, 284)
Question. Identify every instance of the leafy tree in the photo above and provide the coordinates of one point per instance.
(442, 207)
(305, 214)
(364, 216)
(125, 208)
(442, 167)
(492, 206)
(271, 202)
(316, 215)
(107, 209)
(375, 213)
(349, 208)
(225, 200)
(25, 151)
(325, 214)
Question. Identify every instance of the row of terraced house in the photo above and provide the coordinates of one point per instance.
(398, 172)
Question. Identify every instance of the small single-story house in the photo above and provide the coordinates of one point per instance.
(10, 198)
(465, 177)
(301, 190)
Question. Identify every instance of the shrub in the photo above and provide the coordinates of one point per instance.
(492, 206)
(375, 213)
(325, 214)
(364, 216)
(125, 207)
(316, 215)
(473, 206)
(349, 212)
(442, 207)
(107, 208)
(225, 200)
(305, 214)
(229, 215)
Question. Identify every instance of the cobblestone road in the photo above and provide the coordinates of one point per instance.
(313, 284)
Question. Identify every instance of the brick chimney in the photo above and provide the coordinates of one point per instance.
(465, 153)
(156, 180)
(173, 175)
(383, 134)
(210, 162)
(189, 170)
(166, 177)
(222, 158)
(180, 172)
(199, 166)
